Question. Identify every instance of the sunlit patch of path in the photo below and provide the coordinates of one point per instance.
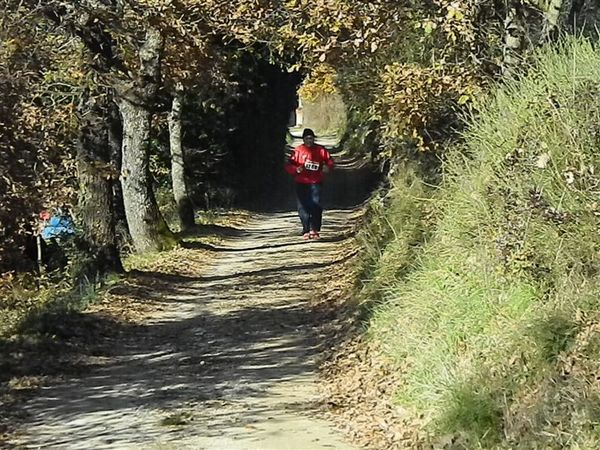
(230, 365)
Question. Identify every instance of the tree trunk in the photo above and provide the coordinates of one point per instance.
(148, 228)
(115, 143)
(514, 38)
(552, 19)
(180, 191)
(96, 175)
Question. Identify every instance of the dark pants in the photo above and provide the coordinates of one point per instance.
(309, 206)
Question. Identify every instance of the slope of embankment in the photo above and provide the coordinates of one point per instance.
(483, 294)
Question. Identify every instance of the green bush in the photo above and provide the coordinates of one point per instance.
(498, 326)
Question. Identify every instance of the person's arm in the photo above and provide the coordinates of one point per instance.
(327, 161)
(292, 166)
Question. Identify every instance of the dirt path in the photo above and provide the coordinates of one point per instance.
(230, 364)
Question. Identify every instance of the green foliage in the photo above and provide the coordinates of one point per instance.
(321, 80)
(396, 229)
(497, 325)
(168, 208)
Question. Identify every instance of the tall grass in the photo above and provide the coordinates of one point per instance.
(396, 228)
(498, 326)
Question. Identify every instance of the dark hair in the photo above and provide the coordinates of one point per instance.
(308, 132)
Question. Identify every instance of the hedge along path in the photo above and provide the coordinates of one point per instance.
(230, 364)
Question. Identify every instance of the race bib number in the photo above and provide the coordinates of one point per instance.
(311, 165)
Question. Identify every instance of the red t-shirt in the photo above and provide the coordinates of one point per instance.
(312, 159)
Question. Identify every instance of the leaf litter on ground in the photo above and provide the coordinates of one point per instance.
(357, 381)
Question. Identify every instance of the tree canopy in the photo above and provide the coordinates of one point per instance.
(406, 71)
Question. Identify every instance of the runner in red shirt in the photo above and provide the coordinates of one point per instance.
(307, 163)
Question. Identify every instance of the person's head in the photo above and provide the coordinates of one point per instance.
(308, 136)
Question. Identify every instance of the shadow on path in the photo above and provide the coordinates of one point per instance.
(228, 361)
